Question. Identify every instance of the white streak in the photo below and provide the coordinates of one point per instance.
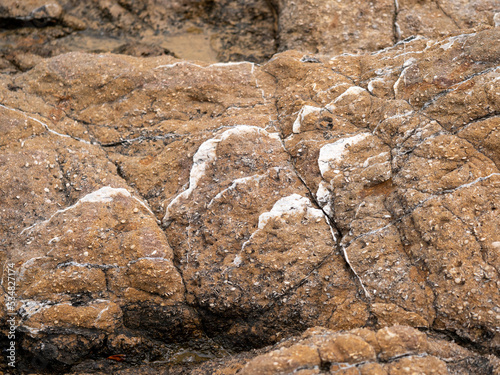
(223, 65)
(469, 184)
(45, 125)
(346, 257)
(334, 87)
(238, 181)
(55, 239)
(396, 84)
(166, 66)
(307, 109)
(496, 19)
(237, 260)
(100, 313)
(31, 308)
(353, 90)
(292, 204)
(409, 62)
(368, 162)
(206, 155)
(323, 194)
(453, 39)
(370, 85)
(102, 195)
(333, 152)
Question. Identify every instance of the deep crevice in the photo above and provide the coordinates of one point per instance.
(446, 14)
(333, 227)
(13, 23)
(451, 336)
(395, 27)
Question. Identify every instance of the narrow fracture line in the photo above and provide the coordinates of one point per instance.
(45, 125)
(331, 224)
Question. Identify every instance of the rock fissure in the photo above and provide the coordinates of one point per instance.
(395, 27)
(124, 142)
(409, 212)
(446, 14)
(47, 128)
(281, 183)
(333, 227)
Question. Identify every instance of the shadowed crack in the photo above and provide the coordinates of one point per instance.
(333, 228)
(410, 211)
(141, 139)
(395, 27)
(44, 124)
(454, 87)
(446, 14)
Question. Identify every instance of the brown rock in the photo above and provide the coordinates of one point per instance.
(30, 10)
(148, 201)
(398, 350)
(224, 30)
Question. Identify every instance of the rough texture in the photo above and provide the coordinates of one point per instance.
(393, 350)
(200, 30)
(167, 211)
(224, 30)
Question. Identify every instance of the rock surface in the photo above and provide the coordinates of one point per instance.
(159, 212)
(394, 350)
(224, 30)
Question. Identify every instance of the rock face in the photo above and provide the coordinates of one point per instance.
(392, 350)
(224, 30)
(395, 350)
(151, 205)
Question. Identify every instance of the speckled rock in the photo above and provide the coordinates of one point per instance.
(395, 174)
(334, 27)
(31, 10)
(225, 30)
(395, 350)
(149, 201)
(91, 260)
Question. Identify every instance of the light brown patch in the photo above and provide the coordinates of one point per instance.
(384, 188)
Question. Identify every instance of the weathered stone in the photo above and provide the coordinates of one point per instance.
(366, 352)
(148, 201)
(31, 10)
(223, 30)
(83, 256)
